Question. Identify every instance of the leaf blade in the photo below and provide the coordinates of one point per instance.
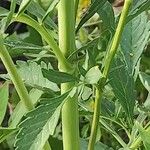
(92, 10)
(34, 136)
(58, 77)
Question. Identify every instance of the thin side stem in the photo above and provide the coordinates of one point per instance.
(46, 36)
(95, 120)
(76, 7)
(15, 77)
(117, 37)
(17, 81)
(109, 57)
(135, 145)
(70, 115)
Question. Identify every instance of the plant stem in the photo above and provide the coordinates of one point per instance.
(108, 60)
(95, 121)
(15, 77)
(76, 7)
(66, 22)
(46, 36)
(117, 37)
(70, 116)
(137, 142)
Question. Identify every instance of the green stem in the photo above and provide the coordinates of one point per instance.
(16, 79)
(108, 60)
(95, 121)
(66, 22)
(70, 116)
(46, 36)
(136, 144)
(117, 37)
(76, 7)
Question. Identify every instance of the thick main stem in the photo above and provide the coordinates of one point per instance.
(70, 116)
(108, 60)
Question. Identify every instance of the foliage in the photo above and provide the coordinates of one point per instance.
(88, 76)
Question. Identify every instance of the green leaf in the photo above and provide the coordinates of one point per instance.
(95, 6)
(134, 40)
(145, 136)
(35, 9)
(5, 133)
(31, 73)
(24, 4)
(50, 8)
(4, 94)
(39, 124)
(112, 131)
(107, 15)
(122, 83)
(145, 79)
(58, 77)
(20, 110)
(138, 7)
(18, 47)
(98, 145)
(93, 75)
(91, 46)
(3, 12)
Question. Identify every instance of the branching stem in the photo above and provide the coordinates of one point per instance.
(108, 60)
(70, 114)
(46, 36)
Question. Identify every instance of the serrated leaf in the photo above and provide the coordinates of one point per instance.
(18, 44)
(20, 110)
(98, 145)
(6, 132)
(111, 130)
(50, 8)
(95, 6)
(93, 75)
(3, 12)
(31, 73)
(58, 77)
(122, 83)
(138, 7)
(18, 47)
(89, 46)
(145, 79)
(145, 136)
(39, 124)
(24, 4)
(107, 16)
(134, 40)
(36, 10)
(4, 93)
